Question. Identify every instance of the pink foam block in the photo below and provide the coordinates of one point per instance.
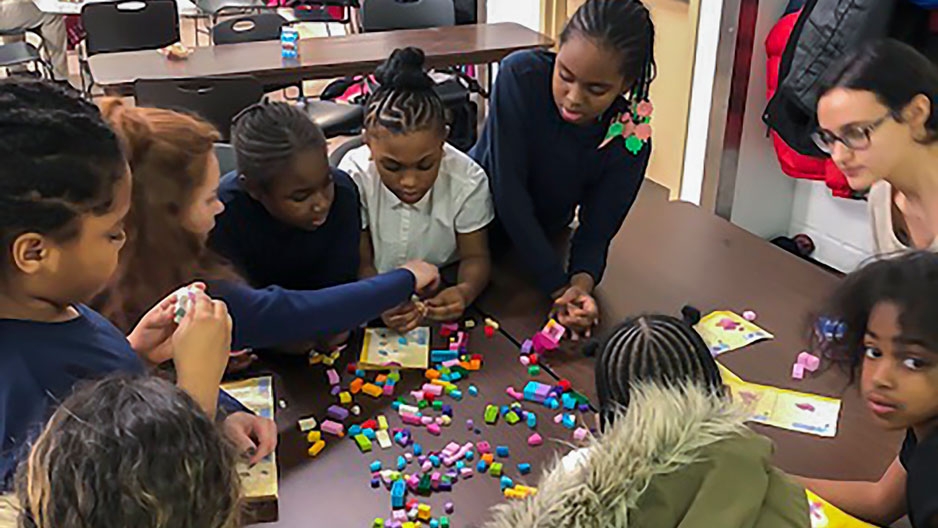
(429, 388)
(558, 418)
(797, 371)
(809, 361)
(333, 377)
(451, 363)
(465, 473)
(427, 466)
(434, 429)
(410, 419)
(580, 434)
(388, 389)
(484, 447)
(525, 360)
(511, 391)
(451, 448)
(417, 395)
(426, 420)
(332, 428)
(535, 440)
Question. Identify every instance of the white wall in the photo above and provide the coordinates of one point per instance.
(524, 12)
(840, 228)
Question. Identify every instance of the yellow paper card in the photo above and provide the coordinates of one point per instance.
(383, 349)
(724, 331)
(825, 515)
(260, 481)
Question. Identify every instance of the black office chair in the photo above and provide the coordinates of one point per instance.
(216, 99)
(386, 15)
(128, 25)
(336, 155)
(227, 161)
(22, 53)
(248, 28)
(335, 119)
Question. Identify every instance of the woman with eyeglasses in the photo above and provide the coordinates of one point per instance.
(877, 120)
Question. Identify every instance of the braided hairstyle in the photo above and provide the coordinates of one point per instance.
(267, 136)
(129, 452)
(657, 349)
(405, 101)
(60, 160)
(626, 27)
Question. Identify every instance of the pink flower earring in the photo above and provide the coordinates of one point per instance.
(636, 130)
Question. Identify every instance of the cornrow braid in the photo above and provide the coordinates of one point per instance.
(60, 160)
(267, 136)
(626, 27)
(655, 349)
(405, 101)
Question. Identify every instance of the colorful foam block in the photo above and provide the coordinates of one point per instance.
(337, 413)
(372, 390)
(501, 451)
(345, 398)
(797, 371)
(581, 434)
(364, 444)
(484, 447)
(491, 414)
(569, 421)
(384, 439)
(356, 385)
(532, 420)
(316, 448)
(313, 437)
(333, 428)
(307, 424)
(809, 361)
(495, 469)
(524, 468)
(535, 440)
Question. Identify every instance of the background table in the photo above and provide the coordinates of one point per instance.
(333, 488)
(669, 254)
(319, 57)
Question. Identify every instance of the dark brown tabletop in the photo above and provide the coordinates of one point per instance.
(319, 57)
(671, 254)
(333, 488)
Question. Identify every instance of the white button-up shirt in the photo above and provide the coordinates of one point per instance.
(458, 202)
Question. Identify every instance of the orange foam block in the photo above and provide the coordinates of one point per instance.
(356, 385)
(372, 390)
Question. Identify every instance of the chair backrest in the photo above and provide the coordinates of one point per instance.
(227, 161)
(127, 25)
(248, 28)
(336, 155)
(385, 15)
(217, 100)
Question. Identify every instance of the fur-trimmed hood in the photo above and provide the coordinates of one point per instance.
(675, 458)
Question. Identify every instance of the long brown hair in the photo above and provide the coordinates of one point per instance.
(168, 152)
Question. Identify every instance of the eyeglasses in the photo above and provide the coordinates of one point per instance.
(854, 137)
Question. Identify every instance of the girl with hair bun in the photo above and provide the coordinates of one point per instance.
(421, 198)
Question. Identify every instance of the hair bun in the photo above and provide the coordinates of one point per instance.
(404, 70)
(690, 315)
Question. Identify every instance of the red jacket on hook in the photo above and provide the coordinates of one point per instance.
(792, 163)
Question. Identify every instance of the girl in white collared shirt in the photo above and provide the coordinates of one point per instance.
(421, 198)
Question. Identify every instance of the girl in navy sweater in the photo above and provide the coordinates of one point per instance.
(567, 132)
(64, 192)
(176, 179)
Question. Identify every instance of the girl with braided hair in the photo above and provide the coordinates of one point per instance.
(285, 200)
(420, 197)
(569, 132)
(65, 190)
(673, 451)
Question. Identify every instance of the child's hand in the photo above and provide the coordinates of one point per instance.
(402, 319)
(427, 275)
(202, 342)
(446, 305)
(252, 436)
(576, 310)
(151, 337)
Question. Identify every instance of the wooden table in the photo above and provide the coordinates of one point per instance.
(671, 254)
(319, 57)
(333, 489)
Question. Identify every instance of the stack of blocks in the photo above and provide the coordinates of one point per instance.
(805, 362)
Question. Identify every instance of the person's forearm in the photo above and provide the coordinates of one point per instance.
(858, 498)
(366, 271)
(473, 276)
(203, 392)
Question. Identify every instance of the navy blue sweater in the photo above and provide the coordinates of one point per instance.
(273, 316)
(40, 364)
(541, 168)
(268, 252)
